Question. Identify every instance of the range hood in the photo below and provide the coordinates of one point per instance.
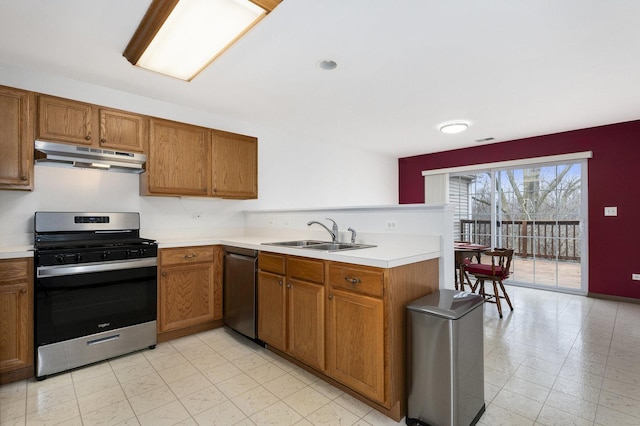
(59, 154)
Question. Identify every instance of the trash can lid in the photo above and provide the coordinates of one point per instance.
(451, 304)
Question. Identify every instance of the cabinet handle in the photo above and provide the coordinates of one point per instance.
(189, 256)
(164, 274)
(23, 290)
(23, 178)
(88, 137)
(280, 283)
(288, 285)
(353, 281)
(103, 140)
(330, 296)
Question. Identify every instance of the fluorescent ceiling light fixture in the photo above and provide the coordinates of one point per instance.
(180, 38)
(454, 127)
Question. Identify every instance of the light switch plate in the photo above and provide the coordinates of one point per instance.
(611, 211)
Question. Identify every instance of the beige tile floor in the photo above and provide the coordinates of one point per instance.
(558, 359)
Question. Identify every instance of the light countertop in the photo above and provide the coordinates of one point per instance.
(12, 252)
(385, 255)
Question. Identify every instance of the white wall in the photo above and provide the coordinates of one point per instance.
(294, 171)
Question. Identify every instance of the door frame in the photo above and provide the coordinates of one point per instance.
(440, 176)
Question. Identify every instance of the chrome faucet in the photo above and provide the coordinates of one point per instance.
(353, 235)
(333, 231)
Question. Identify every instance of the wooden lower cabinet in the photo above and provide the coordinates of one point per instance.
(346, 324)
(16, 319)
(291, 306)
(189, 290)
(272, 318)
(355, 342)
(306, 310)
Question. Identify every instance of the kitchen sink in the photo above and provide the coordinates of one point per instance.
(319, 245)
(297, 243)
(336, 246)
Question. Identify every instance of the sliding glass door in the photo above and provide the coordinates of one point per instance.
(537, 210)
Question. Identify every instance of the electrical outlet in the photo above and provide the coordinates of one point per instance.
(196, 216)
(286, 223)
(391, 224)
(271, 222)
(635, 277)
(611, 211)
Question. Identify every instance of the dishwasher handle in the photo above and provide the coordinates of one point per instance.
(240, 256)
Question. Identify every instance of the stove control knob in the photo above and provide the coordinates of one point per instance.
(59, 258)
(78, 257)
(106, 255)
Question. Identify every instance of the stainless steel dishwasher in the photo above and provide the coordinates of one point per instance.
(239, 291)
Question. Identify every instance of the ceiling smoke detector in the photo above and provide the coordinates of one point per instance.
(327, 65)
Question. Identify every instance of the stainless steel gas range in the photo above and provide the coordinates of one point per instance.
(95, 289)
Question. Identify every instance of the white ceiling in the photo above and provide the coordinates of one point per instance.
(512, 68)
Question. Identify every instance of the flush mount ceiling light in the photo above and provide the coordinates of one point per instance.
(182, 37)
(454, 127)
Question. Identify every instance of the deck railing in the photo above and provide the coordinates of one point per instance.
(544, 239)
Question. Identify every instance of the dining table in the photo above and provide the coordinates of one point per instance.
(465, 250)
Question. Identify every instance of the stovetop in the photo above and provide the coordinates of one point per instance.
(91, 254)
(74, 238)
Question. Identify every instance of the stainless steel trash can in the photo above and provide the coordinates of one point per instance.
(445, 365)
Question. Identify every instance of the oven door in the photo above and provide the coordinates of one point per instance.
(80, 300)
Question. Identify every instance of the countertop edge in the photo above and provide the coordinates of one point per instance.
(375, 257)
(15, 252)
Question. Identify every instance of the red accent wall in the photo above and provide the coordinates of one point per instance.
(614, 180)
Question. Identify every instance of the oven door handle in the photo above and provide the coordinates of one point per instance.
(59, 270)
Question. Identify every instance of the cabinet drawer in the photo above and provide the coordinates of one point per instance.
(306, 269)
(182, 255)
(271, 263)
(357, 278)
(14, 270)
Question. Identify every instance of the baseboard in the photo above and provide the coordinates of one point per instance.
(614, 298)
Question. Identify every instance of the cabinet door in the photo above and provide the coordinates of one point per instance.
(16, 315)
(305, 303)
(186, 296)
(122, 130)
(178, 159)
(63, 120)
(272, 309)
(16, 138)
(355, 342)
(234, 160)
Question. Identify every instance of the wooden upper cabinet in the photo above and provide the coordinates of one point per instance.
(63, 120)
(16, 138)
(67, 121)
(234, 162)
(177, 159)
(122, 130)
